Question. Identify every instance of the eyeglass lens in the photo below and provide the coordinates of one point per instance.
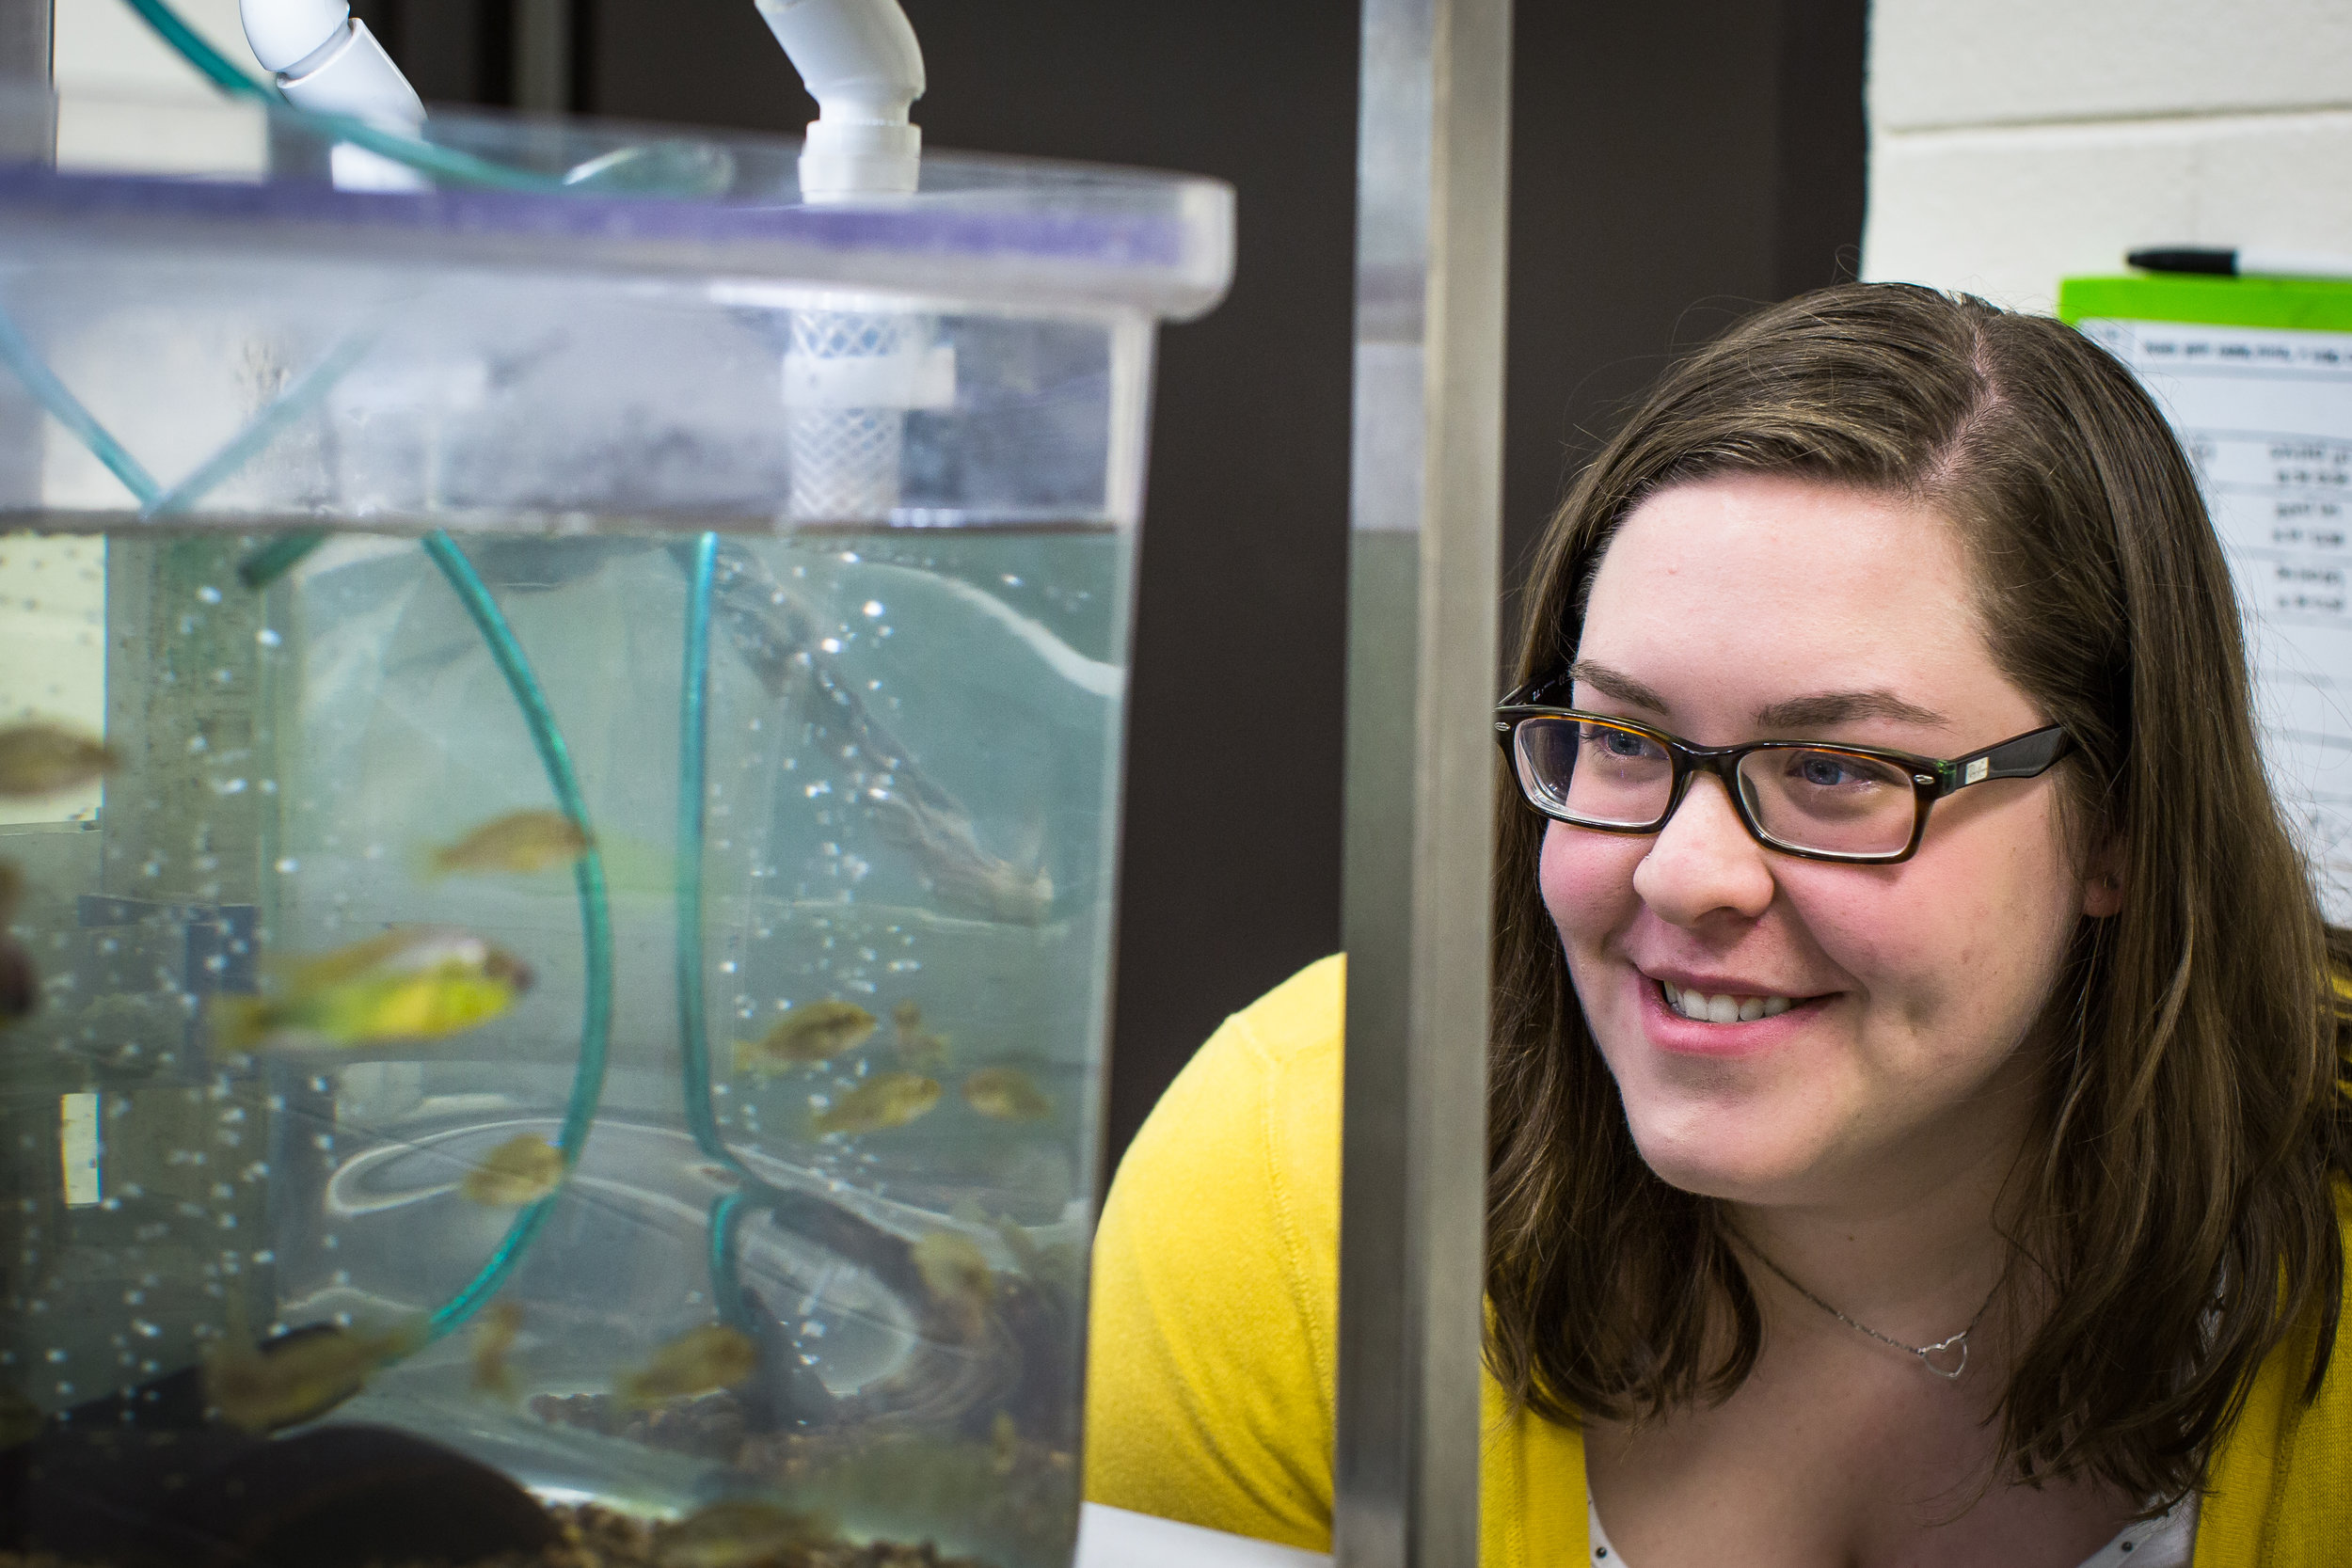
(1802, 797)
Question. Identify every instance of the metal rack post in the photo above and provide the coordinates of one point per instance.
(1425, 513)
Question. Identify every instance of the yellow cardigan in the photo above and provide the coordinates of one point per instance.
(1216, 1292)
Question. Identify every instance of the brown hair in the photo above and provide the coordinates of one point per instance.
(2176, 1202)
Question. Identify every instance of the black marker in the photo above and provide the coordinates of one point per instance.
(2249, 262)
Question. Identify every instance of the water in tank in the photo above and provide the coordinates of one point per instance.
(560, 747)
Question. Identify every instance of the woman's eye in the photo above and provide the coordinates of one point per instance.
(1827, 770)
(1619, 745)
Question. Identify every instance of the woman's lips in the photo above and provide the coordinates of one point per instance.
(1670, 1032)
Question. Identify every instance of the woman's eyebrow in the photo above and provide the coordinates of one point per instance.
(1612, 683)
(1838, 707)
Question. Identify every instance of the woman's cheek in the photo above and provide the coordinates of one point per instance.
(1587, 882)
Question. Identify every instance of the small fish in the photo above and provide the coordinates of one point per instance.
(953, 1267)
(259, 1388)
(411, 983)
(1003, 1443)
(39, 758)
(958, 1281)
(493, 1339)
(741, 1532)
(804, 1036)
(520, 843)
(888, 1100)
(919, 1049)
(521, 1170)
(1007, 1094)
(696, 1362)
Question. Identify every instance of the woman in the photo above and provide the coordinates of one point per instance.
(1922, 1145)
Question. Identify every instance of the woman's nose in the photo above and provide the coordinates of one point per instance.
(1703, 862)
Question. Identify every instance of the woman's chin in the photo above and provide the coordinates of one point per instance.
(1763, 1169)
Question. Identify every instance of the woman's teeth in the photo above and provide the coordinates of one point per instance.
(1723, 1009)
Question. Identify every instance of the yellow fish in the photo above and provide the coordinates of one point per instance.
(1007, 1094)
(1003, 1444)
(953, 1267)
(521, 1170)
(259, 1388)
(411, 983)
(888, 1100)
(696, 1362)
(521, 842)
(37, 758)
(920, 1049)
(804, 1036)
(494, 1334)
(738, 1533)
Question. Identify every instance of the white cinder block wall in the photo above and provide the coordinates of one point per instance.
(2016, 142)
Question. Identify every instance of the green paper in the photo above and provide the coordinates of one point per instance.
(2302, 305)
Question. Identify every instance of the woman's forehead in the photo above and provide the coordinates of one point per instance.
(1781, 588)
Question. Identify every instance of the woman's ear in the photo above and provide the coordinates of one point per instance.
(2102, 882)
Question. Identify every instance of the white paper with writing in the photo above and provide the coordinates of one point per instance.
(2266, 417)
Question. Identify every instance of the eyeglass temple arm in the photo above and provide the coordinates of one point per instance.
(2024, 756)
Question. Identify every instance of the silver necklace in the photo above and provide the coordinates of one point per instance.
(1926, 1354)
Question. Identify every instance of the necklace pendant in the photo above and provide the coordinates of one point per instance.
(1927, 1355)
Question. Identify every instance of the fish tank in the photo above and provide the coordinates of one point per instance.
(560, 722)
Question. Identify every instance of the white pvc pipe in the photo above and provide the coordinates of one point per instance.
(326, 60)
(860, 60)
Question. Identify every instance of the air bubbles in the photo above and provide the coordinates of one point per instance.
(267, 637)
(873, 609)
(288, 865)
(209, 594)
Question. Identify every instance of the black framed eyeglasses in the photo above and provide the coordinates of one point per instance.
(1822, 801)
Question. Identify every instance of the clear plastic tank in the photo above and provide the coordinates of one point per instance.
(573, 997)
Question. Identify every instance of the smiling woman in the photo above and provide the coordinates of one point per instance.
(1915, 1129)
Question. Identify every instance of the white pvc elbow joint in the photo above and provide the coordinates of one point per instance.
(860, 60)
(325, 59)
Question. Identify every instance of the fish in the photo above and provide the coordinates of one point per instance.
(493, 1339)
(953, 1267)
(410, 983)
(888, 1100)
(741, 1533)
(296, 1377)
(520, 843)
(1007, 1094)
(917, 1048)
(40, 758)
(804, 1036)
(696, 1362)
(521, 1170)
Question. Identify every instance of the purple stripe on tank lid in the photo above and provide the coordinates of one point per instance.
(954, 228)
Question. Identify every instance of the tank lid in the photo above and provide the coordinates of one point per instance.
(603, 196)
